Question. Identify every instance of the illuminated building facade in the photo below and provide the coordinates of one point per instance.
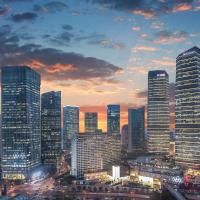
(92, 152)
(187, 112)
(20, 103)
(113, 119)
(136, 130)
(70, 125)
(51, 127)
(91, 122)
(158, 112)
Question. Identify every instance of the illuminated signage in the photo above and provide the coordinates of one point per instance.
(115, 172)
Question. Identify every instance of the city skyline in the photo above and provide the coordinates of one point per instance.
(92, 64)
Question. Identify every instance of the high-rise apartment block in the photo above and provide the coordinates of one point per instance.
(92, 152)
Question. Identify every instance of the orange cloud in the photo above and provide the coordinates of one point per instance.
(139, 70)
(35, 64)
(62, 68)
(182, 7)
(164, 62)
(144, 48)
(145, 13)
(168, 37)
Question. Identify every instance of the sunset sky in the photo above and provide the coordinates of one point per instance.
(98, 52)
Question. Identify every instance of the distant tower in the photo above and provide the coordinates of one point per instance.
(70, 125)
(187, 114)
(158, 112)
(51, 127)
(136, 130)
(20, 104)
(124, 137)
(91, 122)
(113, 119)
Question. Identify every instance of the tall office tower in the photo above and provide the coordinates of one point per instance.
(20, 106)
(187, 114)
(70, 125)
(92, 152)
(124, 137)
(113, 119)
(51, 127)
(158, 112)
(91, 122)
(136, 130)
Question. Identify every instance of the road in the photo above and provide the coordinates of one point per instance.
(32, 188)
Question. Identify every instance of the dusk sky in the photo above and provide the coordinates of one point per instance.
(98, 52)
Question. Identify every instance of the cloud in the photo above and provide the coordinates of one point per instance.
(146, 8)
(51, 63)
(168, 37)
(143, 35)
(144, 48)
(110, 44)
(63, 38)
(102, 40)
(67, 27)
(4, 10)
(142, 94)
(136, 28)
(51, 7)
(26, 16)
(157, 25)
(148, 14)
(164, 62)
(182, 7)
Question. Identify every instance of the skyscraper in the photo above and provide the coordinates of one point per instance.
(113, 119)
(158, 112)
(51, 127)
(136, 130)
(20, 103)
(70, 125)
(91, 122)
(187, 114)
(124, 137)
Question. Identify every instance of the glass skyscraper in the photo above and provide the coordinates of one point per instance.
(187, 114)
(51, 127)
(124, 137)
(158, 120)
(136, 130)
(70, 125)
(20, 106)
(91, 122)
(113, 119)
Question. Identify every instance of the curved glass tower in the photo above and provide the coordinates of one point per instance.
(187, 116)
